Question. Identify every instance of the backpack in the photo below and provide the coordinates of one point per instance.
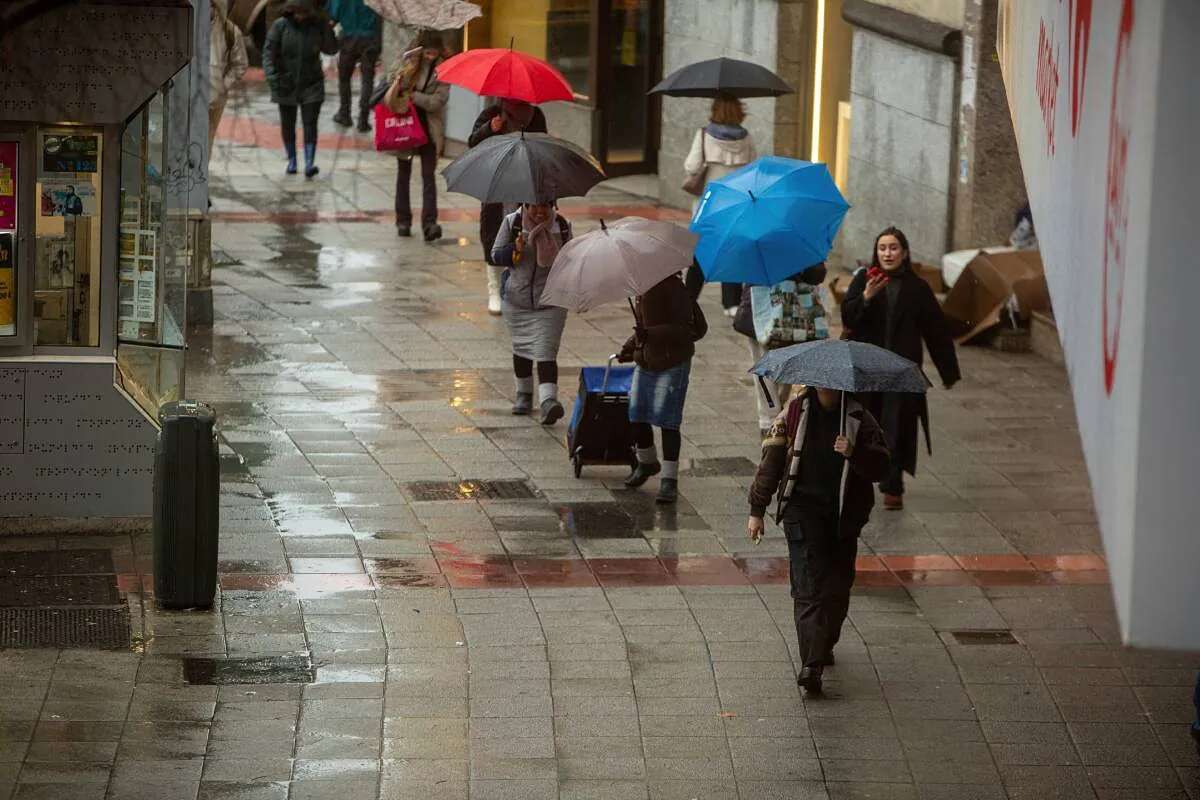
(787, 313)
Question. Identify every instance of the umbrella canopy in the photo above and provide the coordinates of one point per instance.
(722, 76)
(498, 72)
(839, 364)
(438, 15)
(767, 221)
(621, 260)
(523, 168)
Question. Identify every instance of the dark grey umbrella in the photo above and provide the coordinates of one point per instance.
(839, 364)
(722, 76)
(523, 168)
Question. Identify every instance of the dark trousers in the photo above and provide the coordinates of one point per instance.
(429, 210)
(894, 482)
(822, 573)
(362, 52)
(309, 113)
(731, 293)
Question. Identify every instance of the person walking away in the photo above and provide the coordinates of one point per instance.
(668, 323)
(227, 63)
(891, 306)
(414, 81)
(360, 44)
(820, 475)
(797, 315)
(526, 245)
(719, 148)
(292, 64)
(507, 116)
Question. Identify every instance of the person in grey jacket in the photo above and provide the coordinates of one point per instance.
(414, 81)
(526, 245)
(291, 60)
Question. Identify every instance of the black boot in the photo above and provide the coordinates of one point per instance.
(364, 124)
(342, 117)
(432, 232)
(668, 491)
(642, 473)
(809, 680)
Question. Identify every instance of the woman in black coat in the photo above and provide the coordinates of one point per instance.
(891, 306)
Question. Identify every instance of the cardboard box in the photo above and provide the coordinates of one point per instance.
(989, 283)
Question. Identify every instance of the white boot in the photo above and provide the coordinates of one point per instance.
(493, 279)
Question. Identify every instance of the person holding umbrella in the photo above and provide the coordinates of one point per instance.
(719, 148)
(819, 460)
(891, 306)
(526, 246)
(507, 116)
(667, 324)
(414, 80)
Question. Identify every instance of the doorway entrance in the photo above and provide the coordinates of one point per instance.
(628, 63)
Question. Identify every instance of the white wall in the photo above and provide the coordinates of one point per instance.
(902, 106)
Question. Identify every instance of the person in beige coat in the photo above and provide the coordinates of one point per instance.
(414, 80)
(719, 148)
(227, 62)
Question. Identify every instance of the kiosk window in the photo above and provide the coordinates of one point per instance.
(10, 153)
(66, 276)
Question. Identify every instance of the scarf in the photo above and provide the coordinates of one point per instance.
(545, 246)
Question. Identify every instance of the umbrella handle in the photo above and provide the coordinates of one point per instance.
(843, 415)
(766, 392)
(634, 310)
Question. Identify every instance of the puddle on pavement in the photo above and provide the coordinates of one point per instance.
(651, 516)
(597, 521)
(233, 671)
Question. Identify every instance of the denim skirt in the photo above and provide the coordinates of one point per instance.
(657, 397)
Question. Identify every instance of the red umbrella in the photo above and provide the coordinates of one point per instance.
(502, 72)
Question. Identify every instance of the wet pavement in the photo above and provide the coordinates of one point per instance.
(418, 599)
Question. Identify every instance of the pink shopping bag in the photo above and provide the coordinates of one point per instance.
(398, 131)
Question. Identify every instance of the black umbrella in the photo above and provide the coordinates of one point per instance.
(840, 364)
(722, 76)
(523, 168)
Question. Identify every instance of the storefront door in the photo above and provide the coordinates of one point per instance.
(629, 63)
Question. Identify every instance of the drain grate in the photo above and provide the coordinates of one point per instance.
(471, 490)
(983, 637)
(28, 563)
(59, 590)
(97, 628)
(721, 467)
(232, 671)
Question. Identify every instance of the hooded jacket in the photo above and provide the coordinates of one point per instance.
(722, 152)
(291, 55)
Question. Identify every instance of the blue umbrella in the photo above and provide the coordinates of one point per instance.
(767, 221)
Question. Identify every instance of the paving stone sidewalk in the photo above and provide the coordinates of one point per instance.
(419, 599)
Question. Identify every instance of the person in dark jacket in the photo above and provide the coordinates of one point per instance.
(291, 60)
(507, 116)
(668, 323)
(891, 306)
(819, 470)
(360, 44)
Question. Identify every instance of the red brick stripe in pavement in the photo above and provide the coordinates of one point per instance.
(463, 571)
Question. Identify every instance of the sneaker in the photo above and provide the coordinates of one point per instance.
(342, 118)
(523, 404)
(809, 680)
(433, 233)
(404, 230)
(668, 491)
(642, 473)
(552, 411)
(893, 502)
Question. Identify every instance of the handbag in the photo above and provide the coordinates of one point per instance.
(398, 132)
(694, 185)
(743, 320)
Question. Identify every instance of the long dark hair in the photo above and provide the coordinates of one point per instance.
(892, 230)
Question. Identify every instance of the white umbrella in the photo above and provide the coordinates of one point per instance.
(618, 261)
(438, 15)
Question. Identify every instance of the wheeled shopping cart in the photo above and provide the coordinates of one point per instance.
(599, 431)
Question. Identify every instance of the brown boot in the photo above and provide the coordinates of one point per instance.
(893, 502)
